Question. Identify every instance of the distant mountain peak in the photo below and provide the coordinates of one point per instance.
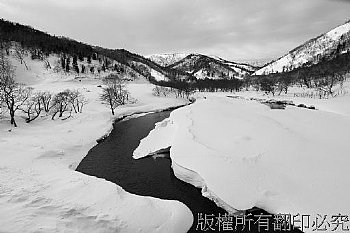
(212, 67)
(166, 59)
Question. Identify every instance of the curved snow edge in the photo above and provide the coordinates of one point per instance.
(162, 136)
(196, 180)
(129, 116)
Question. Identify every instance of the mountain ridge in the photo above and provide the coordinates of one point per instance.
(212, 67)
(41, 44)
(324, 46)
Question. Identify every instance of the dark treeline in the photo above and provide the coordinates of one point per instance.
(36, 40)
(214, 85)
(210, 85)
(323, 76)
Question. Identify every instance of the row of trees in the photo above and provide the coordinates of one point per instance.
(186, 89)
(69, 63)
(181, 89)
(41, 43)
(323, 77)
(170, 91)
(16, 97)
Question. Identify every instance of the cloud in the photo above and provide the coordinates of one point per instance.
(5, 8)
(232, 29)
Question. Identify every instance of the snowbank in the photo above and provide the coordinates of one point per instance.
(284, 161)
(41, 192)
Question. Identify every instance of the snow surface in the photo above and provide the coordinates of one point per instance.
(158, 76)
(238, 67)
(244, 154)
(202, 74)
(39, 189)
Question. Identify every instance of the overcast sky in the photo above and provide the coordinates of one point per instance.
(232, 29)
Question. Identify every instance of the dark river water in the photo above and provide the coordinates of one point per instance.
(112, 160)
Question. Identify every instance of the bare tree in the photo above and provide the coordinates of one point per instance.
(160, 90)
(47, 64)
(33, 107)
(45, 99)
(60, 104)
(109, 99)
(326, 84)
(118, 84)
(77, 100)
(189, 91)
(2, 109)
(115, 93)
(20, 53)
(5, 47)
(156, 90)
(12, 94)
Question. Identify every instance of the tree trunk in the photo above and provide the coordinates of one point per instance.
(53, 115)
(13, 121)
(111, 106)
(32, 119)
(25, 64)
(75, 108)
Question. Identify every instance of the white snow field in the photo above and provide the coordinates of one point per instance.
(41, 192)
(244, 154)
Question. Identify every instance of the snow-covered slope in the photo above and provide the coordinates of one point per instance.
(167, 58)
(311, 52)
(37, 71)
(212, 67)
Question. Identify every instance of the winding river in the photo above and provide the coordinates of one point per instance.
(112, 160)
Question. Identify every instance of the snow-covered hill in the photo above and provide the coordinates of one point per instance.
(167, 59)
(325, 46)
(212, 67)
(31, 70)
